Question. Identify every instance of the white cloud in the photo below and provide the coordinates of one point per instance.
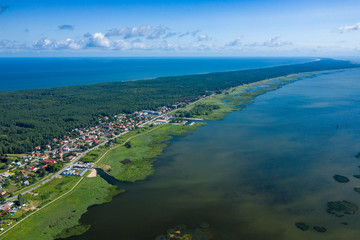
(121, 45)
(144, 37)
(11, 45)
(87, 35)
(170, 34)
(166, 46)
(163, 45)
(136, 40)
(136, 44)
(142, 31)
(193, 33)
(203, 37)
(158, 32)
(43, 43)
(184, 34)
(47, 44)
(274, 42)
(203, 47)
(99, 40)
(5, 43)
(234, 43)
(69, 44)
(349, 28)
(151, 33)
(129, 32)
(271, 42)
(142, 46)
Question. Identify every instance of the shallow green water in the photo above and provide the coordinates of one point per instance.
(253, 174)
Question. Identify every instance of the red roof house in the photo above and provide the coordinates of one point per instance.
(52, 161)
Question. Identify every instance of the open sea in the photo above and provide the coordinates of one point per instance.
(34, 73)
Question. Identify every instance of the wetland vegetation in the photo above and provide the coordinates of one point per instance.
(60, 219)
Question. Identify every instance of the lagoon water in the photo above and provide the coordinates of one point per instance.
(253, 174)
(33, 73)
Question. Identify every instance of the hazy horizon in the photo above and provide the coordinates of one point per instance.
(176, 28)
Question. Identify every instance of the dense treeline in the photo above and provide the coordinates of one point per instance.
(33, 117)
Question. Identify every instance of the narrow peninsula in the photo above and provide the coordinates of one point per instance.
(55, 205)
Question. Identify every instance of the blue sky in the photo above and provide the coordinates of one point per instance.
(180, 28)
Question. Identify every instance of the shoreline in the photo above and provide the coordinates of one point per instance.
(157, 141)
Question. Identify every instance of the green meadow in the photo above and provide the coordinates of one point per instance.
(61, 219)
(144, 148)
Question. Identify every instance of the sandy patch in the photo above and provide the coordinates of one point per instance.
(105, 167)
(92, 173)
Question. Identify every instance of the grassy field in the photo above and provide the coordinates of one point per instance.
(143, 149)
(61, 218)
(94, 155)
(52, 190)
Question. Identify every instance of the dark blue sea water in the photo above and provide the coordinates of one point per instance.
(33, 73)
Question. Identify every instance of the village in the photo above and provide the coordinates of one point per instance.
(63, 156)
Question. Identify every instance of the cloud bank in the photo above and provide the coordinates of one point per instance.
(143, 38)
(129, 32)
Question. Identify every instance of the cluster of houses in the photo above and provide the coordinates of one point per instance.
(73, 144)
(80, 139)
(32, 166)
(8, 206)
(77, 169)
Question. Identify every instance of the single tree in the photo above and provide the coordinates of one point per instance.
(2, 199)
(128, 144)
(22, 199)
